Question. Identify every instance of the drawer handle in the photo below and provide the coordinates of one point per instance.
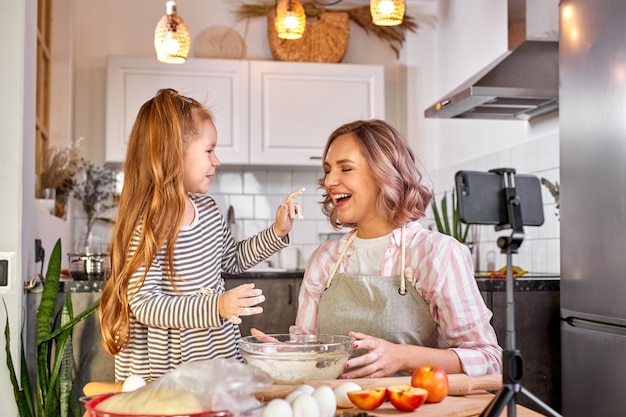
(290, 302)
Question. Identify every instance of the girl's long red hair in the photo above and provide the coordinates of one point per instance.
(151, 204)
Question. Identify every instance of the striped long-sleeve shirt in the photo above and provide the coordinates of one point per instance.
(170, 326)
(443, 276)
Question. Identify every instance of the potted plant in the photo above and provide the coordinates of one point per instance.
(94, 187)
(51, 393)
(442, 219)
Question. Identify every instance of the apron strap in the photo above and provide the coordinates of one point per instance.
(405, 273)
(343, 253)
(402, 289)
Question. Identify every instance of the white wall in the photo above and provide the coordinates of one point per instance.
(469, 36)
(118, 27)
(17, 182)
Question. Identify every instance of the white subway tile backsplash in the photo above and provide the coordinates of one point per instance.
(227, 180)
(307, 178)
(252, 227)
(265, 207)
(255, 181)
(539, 251)
(279, 182)
(243, 206)
(311, 207)
(256, 192)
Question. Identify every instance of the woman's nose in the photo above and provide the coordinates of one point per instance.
(330, 179)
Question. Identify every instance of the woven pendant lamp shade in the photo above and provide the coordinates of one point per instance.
(290, 19)
(171, 37)
(387, 12)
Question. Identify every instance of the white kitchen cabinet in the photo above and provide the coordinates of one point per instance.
(295, 106)
(222, 85)
(266, 112)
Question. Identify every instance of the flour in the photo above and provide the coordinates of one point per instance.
(290, 368)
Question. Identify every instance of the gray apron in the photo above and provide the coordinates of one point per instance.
(379, 306)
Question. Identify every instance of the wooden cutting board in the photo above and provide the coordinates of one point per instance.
(460, 384)
(449, 407)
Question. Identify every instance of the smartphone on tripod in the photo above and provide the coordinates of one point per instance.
(482, 198)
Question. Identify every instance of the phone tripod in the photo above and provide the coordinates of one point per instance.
(512, 360)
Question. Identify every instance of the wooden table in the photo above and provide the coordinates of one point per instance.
(469, 405)
(519, 410)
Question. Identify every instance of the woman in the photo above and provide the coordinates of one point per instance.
(406, 294)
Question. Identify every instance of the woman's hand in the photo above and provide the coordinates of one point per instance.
(286, 213)
(241, 301)
(262, 337)
(382, 359)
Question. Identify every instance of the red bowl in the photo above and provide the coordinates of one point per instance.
(92, 411)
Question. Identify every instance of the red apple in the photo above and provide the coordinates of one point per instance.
(405, 397)
(432, 379)
(369, 398)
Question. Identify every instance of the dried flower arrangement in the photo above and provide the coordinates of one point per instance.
(361, 15)
(94, 186)
(58, 170)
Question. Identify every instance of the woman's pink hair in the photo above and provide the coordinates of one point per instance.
(391, 161)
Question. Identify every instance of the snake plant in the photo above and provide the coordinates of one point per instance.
(442, 219)
(53, 357)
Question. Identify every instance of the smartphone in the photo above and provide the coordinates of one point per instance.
(481, 198)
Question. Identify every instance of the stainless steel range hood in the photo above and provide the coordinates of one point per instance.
(524, 82)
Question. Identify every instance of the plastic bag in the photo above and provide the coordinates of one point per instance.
(218, 384)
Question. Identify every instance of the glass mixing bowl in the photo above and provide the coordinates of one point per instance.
(293, 359)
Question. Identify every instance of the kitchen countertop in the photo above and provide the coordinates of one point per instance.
(529, 282)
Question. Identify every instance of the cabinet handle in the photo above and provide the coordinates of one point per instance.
(290, 302)
(315, 158)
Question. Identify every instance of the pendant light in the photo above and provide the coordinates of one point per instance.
(171, 37)
(387, 12)
(290, 19)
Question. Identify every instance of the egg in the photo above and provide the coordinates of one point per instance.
(305, 406)
(294, 394)
(278, 408)
(306, 388)
(326, 401)
(341, 393)
(132, 383)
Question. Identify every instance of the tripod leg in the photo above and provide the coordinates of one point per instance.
(540, 403)
(504, 397)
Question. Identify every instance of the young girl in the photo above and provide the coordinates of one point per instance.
(406, 294)
(165, 303)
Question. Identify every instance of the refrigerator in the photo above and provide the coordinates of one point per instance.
(592, 118)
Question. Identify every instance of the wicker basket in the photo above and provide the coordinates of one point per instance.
(324, 39)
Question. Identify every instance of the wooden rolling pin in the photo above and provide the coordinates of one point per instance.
(459, 384)
(97, 388)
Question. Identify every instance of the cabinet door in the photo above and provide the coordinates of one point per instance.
(279, 307)
(221, 85)
(295, 106)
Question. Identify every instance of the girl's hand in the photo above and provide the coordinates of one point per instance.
(381, 360)
(241, 301)
(286, 213)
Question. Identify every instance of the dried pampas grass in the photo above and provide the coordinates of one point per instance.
(393, 35)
